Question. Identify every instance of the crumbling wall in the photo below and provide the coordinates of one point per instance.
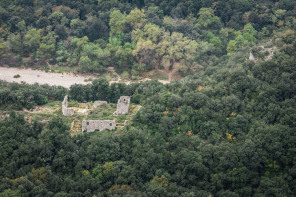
(92, 125)
(123, 105)
(100, 103)
(65, 110)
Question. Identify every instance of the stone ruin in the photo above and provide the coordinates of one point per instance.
(65, 110)
(100, 103)
(92, 125)
(100, 125)
(123, 105)
(251, 57)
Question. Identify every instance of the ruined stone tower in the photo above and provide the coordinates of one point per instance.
(123, 105)
(65, 110)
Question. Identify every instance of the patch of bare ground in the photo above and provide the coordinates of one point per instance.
(3, 115)
(163, 76)
(36, 76)
(43, 109)
(67, 79)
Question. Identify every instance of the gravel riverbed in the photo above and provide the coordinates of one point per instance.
(36, 76)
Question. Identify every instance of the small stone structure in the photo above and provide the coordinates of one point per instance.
(92, 125)
(251, 57)
(65, 110)
(100, 103)
(123, 105)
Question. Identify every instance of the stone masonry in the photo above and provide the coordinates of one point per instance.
(123, 105)
(92, 125)
(100, 103)
(65, 110)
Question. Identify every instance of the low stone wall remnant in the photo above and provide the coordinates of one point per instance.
(92, 125)
(100, 103)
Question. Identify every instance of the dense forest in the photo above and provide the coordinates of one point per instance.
(136, 36)
(227, 129)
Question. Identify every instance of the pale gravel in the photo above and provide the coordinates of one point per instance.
(41, 77)
(36, 76)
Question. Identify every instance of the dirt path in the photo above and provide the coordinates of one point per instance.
(168, 73)
(66, 80)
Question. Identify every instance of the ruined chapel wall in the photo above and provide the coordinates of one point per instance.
(65, 110)
(65, 101)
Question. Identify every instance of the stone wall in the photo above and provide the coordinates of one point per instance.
(92, 125)
(123, 105)
(65, 110)
(100, 103)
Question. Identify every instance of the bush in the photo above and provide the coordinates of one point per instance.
(125, 75)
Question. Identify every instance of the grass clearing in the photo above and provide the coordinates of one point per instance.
(83, 111)
(158, 75)
(64, 69)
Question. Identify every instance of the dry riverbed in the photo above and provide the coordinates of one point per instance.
(36, 76)
(59, 79)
